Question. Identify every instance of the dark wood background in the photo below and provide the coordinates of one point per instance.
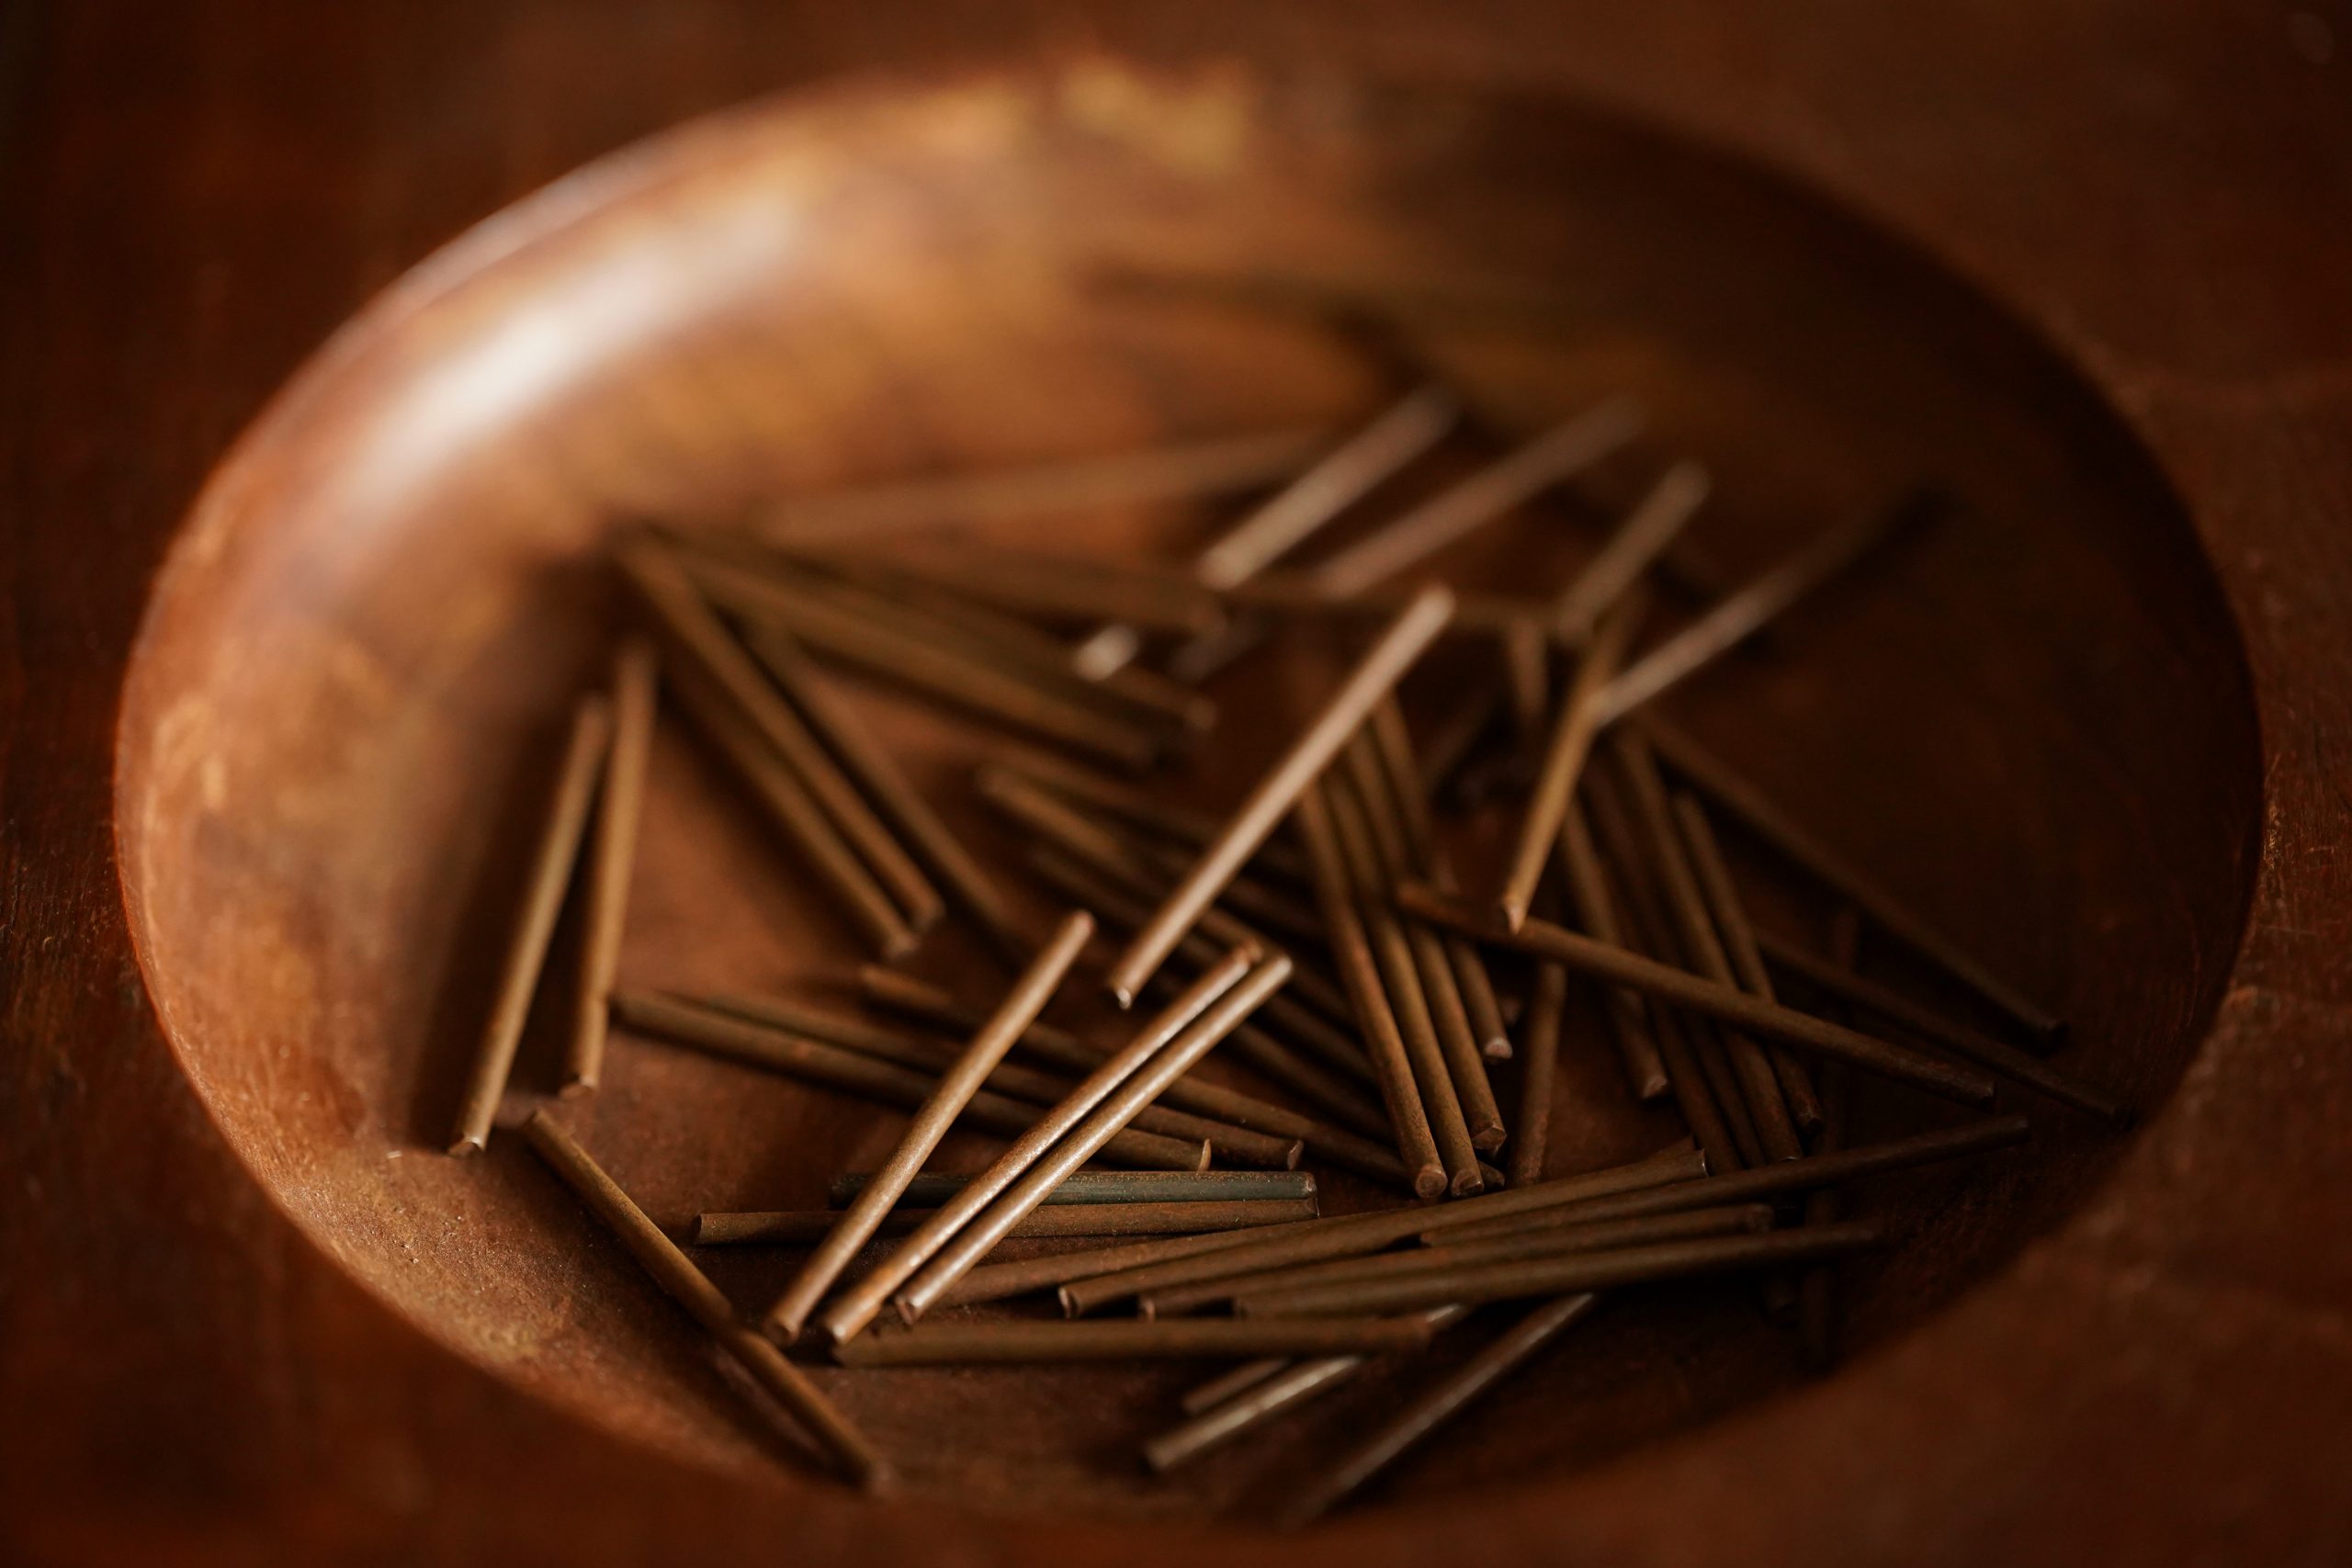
(192, 195)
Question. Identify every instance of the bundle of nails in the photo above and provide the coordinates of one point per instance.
(1344, 963)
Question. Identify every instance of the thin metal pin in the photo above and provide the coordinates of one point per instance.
(847, 1450)
(1684, 989)
(1020, 1006)
(526, 948)
(1373, 678)
(1572, 444)
(1795, 844)
(853, 1308)
(1564, 759)
(611, 860)
(960, 1252)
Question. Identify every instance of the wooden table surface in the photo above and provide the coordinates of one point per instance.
(196, 194)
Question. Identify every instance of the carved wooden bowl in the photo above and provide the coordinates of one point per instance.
(2034, 720)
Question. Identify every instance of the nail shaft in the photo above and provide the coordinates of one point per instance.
(1374, 675)
(1730, 915)
(1186, 1338)
(1144, 811)
(1181, 471)
(1226, 1385)
(1356, 1234)
(1538, 1074)
(856, 1306)
(1406, 1004)
(1596, 911)
(1238, 1145)
(688, 620)
(1132, 694)
(903, 993)
(999, 1282)
(1653, 525)
(1279, 1060)
(1442, 1402)
(1564, 759)
(1444, 1257)
(709, 1029)
(1349, 473)
(794, 812)
(887, 784)
(958, 1253)
(1818, 1314)
(930, 1123)
(795, 1228)
(1705, 1109)
(1793, 842)
(1574, 444)
(1282, 1385)
(1393, 859)
(1753, 607)
(1409, 1291)
(1685, 990)
(526, 948)
(1392, 744)
(869, 634)
(1060, 586)
(851, 1455)
(1993, 1055)
(1764, 1183)
(1082, 1187)
(1754, 1086)
(611, 860)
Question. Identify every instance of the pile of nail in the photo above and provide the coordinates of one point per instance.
(1318, 932)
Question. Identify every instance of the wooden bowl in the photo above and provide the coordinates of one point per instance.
(2035, 720)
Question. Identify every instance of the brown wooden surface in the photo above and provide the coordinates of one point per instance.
(198, 198)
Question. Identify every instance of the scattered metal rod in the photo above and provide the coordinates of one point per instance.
(527, 946)
(1046, 1144)
(702, 640)
(794, 813)
(1388, 860)
(903, 993)
(1742, 615)
(1374, 675)
(1080, 1186)
(1573, 444)
(709, 1030)
(1442, 1402)
(1328, 1078)
(1241, 1145)
(1730, 916)
(938, 1111)
(1186, 1338)
(1408, 1003)
(1755, 1085)
(1178, 471)
(833, 620)
(1699, 995)
(1350, 1235)
(1275, 1385)
(1755, 812)
(612, 860)
(1335, 482)
(961, 1251)
(971, 888)
(801, 1227)
(845, 1447)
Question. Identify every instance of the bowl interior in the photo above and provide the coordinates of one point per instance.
(2033, 719)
